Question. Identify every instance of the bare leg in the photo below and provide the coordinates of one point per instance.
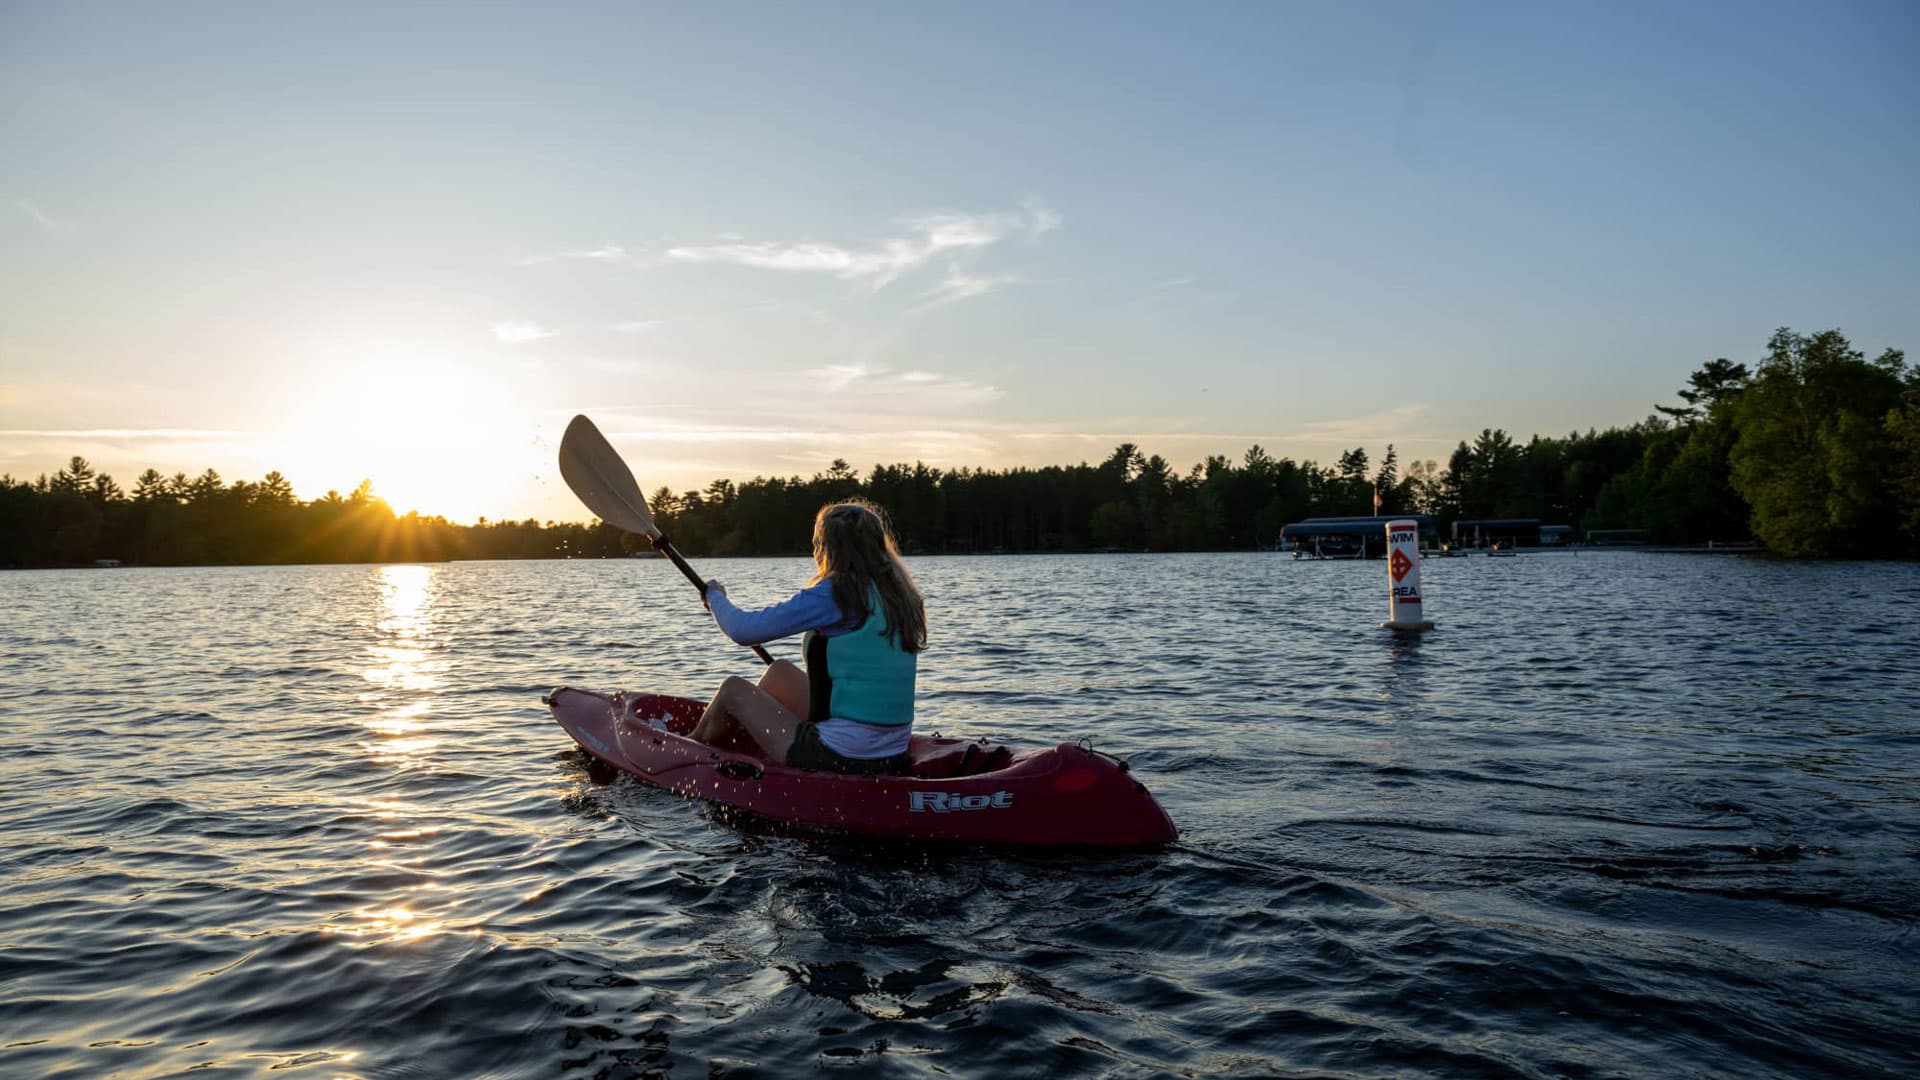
(741, 706)
(788, 685)
(715, 725)
(782, 681)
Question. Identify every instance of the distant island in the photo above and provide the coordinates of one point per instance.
(1815, 453)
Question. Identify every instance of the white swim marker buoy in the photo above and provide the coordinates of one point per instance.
(1403, 577)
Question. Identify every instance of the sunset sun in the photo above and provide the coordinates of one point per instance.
(431, 435)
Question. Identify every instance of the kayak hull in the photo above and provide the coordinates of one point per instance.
(955, 790)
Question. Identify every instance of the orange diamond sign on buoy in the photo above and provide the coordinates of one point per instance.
(1404, 610)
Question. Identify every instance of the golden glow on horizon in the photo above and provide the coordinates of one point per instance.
(431, 435)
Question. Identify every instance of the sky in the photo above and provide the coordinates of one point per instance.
(409, 242)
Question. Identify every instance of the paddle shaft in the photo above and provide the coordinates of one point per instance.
(593, 469)
(664, 546)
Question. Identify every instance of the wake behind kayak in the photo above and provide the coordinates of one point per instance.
(954, 790)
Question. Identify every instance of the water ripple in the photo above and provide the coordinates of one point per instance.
(264, 821)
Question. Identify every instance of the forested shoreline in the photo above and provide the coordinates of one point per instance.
(1814, 452)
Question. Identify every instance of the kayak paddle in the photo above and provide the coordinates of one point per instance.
(595, 472)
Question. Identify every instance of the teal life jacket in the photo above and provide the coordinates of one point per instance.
(860, 675)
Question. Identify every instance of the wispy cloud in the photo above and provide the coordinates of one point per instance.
(119, 433)
(792, 307)
(1040, 219)
(924, 415)
(1385, 426)
(611, 253)
(928, 236)
(897, 391)
(621, 365)
(841, 376)
(696, 449)
(1395, 425)
(519, 333)
(637, 326)
(962, 286)
(42, 218)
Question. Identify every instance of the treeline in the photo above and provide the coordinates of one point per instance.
(1815, 452)
(80, 515)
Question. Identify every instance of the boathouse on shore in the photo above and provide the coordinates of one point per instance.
(1348, 537)
(1497, 532)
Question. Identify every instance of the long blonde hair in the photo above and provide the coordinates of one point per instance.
(854, 547)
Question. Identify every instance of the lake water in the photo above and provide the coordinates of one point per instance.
(1621, 814)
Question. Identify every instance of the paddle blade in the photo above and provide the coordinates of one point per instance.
(603, 482)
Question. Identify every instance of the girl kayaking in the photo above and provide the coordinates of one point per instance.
(851, 710)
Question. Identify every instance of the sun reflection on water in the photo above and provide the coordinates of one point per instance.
(403, 667)
(403, 731)
(390, 925)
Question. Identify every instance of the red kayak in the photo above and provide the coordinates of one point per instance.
(955, 789)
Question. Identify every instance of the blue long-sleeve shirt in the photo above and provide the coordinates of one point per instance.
(812, 608)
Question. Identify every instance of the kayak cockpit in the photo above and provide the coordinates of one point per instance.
(939, 759)
(931, 757)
